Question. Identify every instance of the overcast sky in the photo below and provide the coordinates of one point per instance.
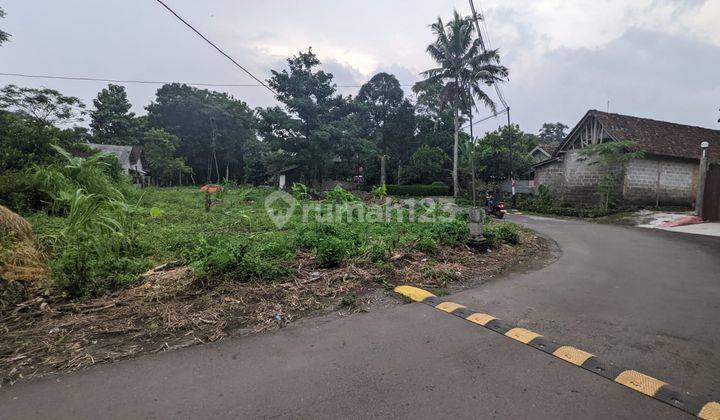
(651, 58)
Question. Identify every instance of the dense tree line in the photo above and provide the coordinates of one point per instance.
(193, 135)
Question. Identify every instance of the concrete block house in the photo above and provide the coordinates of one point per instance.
(667, 174)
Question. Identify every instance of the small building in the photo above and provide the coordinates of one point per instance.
(130, 159)
(288, 176)
(666, 174)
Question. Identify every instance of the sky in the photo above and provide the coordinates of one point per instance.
(650, 58)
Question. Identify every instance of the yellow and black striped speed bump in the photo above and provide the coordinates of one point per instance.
(637, 381)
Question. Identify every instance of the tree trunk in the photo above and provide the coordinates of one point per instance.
(456, 121)
(399, 172)
(383, 176)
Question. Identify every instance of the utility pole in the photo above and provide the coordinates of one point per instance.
(476, 18)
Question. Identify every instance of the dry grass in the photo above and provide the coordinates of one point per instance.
(22, 263)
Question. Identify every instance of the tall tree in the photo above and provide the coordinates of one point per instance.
(4, 36)
(493, 152)
(463, 69)
(160, 153)
(552, 133)
(317, 126)
(382, 97)
(111, 120)
(44, 106)
(213, 129)
(401, 130)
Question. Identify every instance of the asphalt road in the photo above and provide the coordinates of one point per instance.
(647, 300)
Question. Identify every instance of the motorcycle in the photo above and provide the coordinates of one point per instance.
(498, 210)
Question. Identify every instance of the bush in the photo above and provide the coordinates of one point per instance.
(504, 232)
(332, 251)
(380, 191)
(300, 191)
(339, 195)
(332, 243)
(20, 192)
(418, 190)
(240, 259)
(84, 267)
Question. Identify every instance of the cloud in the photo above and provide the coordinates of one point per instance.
(642, 73)
(649, 57)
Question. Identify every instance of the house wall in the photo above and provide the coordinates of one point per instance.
(550, 175)
(668, 181)
(647, 180)
(581, 178)
(573, 180)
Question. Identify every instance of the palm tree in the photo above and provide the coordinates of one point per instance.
(463, 68)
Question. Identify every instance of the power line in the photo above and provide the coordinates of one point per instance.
(484, 119)
(216, 47)
(498, 90)
(150, 82)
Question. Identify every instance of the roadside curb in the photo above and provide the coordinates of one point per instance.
(632, 379)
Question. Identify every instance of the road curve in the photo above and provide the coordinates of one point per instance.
(647, 300)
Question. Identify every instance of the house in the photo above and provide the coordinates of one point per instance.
(130, 159)
(666, 174)
(542, 152)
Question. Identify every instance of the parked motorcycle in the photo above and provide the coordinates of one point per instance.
(497, 210)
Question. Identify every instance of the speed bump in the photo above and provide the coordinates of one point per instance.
(632, 379)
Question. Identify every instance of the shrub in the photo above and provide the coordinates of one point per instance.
(418, 190)
(84, 268)
(332, 251)
(427, 244)
(332, 243)
(380, 191)
(451, 233)
(300, 191)
(240, 259)
(499, 233)
(339, 195)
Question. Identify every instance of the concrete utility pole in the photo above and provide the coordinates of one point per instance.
(702, 178)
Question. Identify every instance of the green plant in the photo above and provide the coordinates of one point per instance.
(339, 195)
(614, 155)
(332, 251)
(300, 191)
(418, 190)
(496, 233)
(380, 191)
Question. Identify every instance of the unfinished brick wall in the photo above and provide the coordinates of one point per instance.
(667, 181)
(647, 180)
(582, 176)
(550, 175)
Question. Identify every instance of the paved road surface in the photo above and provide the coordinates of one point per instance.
(648, 300)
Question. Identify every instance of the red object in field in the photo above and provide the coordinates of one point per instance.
(211, 188)
(501, 205)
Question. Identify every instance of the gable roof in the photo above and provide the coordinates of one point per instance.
(543, 148)
(126, 155)
(652, 136)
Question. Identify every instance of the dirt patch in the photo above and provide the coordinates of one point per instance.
(173, 309)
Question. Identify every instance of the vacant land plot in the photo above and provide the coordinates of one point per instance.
(192, 276)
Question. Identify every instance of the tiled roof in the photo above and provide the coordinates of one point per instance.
(660, 137)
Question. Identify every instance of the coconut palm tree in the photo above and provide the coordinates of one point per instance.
(462, 68)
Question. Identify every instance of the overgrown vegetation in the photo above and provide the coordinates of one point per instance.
(438, 189)
(99, 240)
